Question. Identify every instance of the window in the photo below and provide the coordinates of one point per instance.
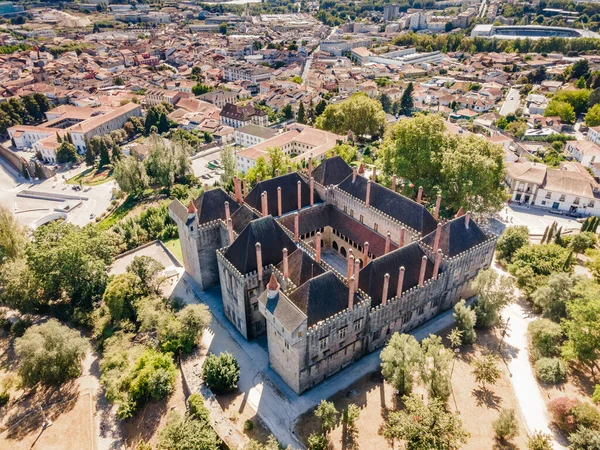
(548, 195)
(361, 218)
(376, 227)
(543, 202)
(421, 310)
(342, 332)
(358, 324)
(576, 201)
(323, 343)
(562, 198)
(299, 334)
(351, 212)
(591, 204)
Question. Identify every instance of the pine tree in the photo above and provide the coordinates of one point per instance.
(596, 222)
(90, 158)
(69, 138)
(545, 235)
(310, 113)
(558, 238)
(586, 224)
(58, 138)
(301, 114)
(551, 232)
(567, 263)
(406, 102)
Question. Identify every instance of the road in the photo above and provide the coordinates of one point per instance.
(511, 103)
(309, 60)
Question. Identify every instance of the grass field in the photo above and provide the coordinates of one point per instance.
(91, 177)
(120, 212)
(175, 247)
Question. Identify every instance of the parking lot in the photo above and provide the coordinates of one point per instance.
(536, 219)
(200, 167)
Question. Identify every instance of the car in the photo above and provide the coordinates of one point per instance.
(92, 215)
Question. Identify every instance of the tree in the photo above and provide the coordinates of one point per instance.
(580, 68)
(90, 158)
(512, 240)
(506, 426)
(346, 151)
(351, 415)
(50, 354)
(552, 298)
(194, 320)
(485, 370)
(223, 28)
(582, 241)
(130, 175)
(541, 259)
(585, 439)
(563, 110)
(435, 367)
(104, 157)
(465, 319)
(12, 236)
(221, 373)
(386, 102)
(186, 433)
(18, 286)
(119, 296)
(229, 164)
(200, 89)
(399, 361)
(592, 118)
(318, 441)
(320, 108)
(66, 153)
(545, 338)
(577, 98)
(277, 160)
(287, 111)
(146, 270)
(425, 427)
(301, 114)
(359, 113)
(493, 293)
(406, 101)
(539, 441)
(168, 162)
(327, 414)
(583, 315)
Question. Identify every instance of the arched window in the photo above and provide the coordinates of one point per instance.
(343, 251)
(334, 245)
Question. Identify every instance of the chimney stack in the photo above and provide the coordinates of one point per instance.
(467, 219)
(351, 287)
(318, 248)
(244, 189)
(265, 205)
(257, 178)
(400, 282)
(296, 227)
(289, 169)
(286, 271)
(388, 238)
(299, 195)
(353, 174)
(438, 234)
(205, 187)
(236, 189)
(386, 285)
(368, 196)
(366, 254)
(309, 167)
(227, 213)
(272, 287)
(438, 202)
(356, 272)
(350, 268)
(259, 266)
(422, 274)
(279, 213)
(312, 191)
(394, 183)
(402, 237)
(230, 230)
(419, 194)
(276, 172)
(374, 175)
(436, 266)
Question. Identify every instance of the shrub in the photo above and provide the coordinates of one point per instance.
(506, 426)
(585, 439)
(512, 240)
(183, 432)
(568, 414)
(197, 409)
(545, 337)
(465, 318)
(596, 394)
(587, 416)
(248, 425)
(318, 441)
(550, 370)
(4, 398)
(539, 441)
(221, 373)
(20, 326)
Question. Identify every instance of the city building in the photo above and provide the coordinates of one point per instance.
(239, 116)
(250, 135)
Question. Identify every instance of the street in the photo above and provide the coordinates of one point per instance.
(511, 103)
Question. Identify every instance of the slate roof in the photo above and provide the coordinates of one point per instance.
(456, 238)
(289, 194)
(370, 278)
(301, 267)
(288, 314)
(331, 171)
(321, 297)
(179, 210)
(391, 203)
(211, 205)
(320, 216)
(242, 217)
(242, 253)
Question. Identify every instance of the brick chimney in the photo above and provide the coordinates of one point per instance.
(365, 254)
(272, 287)
(257, 178)
(227, 214)
(350, 268)
(237, 190)
(388, 239)
(356, 272)
(259, 265)
(368, 196)
(299, 195)
(351, 290)
(289, 169)
(438, 234)
(420, 194)
(309, 167)
(394, 183)
(318, 248)
(192, 211)
(422, 274)
(312, 191)
(286, 271)
(436, 266)
(265, 205)
(296, 227)
(374, 175)
(386, 286)
(230, 230)
(276, 172)
(402, 237)
(353, 174)
(279, 209)
(400, 282)
(205, 186)
(467, 219)
(438, 202)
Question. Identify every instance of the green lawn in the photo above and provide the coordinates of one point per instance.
(175, 247)
(91, 177)
(120, 212)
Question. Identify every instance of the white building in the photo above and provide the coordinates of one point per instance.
(252, 134)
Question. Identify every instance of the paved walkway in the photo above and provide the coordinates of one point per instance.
(265, 392)
(527, 390)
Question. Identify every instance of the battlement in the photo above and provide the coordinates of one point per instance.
(230, 267)
(363, 306)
